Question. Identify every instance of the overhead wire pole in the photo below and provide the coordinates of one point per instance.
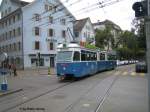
(148, 47)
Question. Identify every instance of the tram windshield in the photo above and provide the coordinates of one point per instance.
(64, 56)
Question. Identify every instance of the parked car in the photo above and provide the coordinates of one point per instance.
(141, 67)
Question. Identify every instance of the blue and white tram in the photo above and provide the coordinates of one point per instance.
(76, 61)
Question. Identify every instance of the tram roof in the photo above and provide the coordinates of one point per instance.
(75, 46)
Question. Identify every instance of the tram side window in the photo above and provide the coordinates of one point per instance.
(111, 57)
(88, 57)
(83, 57)
(102, 56)
(95, 56)
(76, 56)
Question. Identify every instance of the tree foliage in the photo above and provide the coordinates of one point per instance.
(129, 44)
(104, 38)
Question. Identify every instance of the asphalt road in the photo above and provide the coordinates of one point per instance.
(119, 90)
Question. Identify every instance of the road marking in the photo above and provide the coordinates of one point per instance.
(24, 98)
(86, 105)
(117, 73)
(125, 73)
(133, 74)
(142, 74)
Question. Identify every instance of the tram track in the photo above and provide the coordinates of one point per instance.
(67, 84)
(47, 92)
(33, 98)
(106, 95)
(70, 107)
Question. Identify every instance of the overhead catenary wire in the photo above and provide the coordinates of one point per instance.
(88, 9)
(58, 6)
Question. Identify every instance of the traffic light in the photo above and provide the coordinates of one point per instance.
(140, 9)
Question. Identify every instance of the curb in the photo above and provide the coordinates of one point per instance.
(10, 92)
(47, 74)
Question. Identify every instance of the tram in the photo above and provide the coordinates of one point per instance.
(76, 61)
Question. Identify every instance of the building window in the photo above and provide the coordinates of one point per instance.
(10, 34)
(64, 34)
(51, 32)
(18, 17)
(6, 36)
(3, 25)
(5, 12)
(10, 48)
(48, 8)
(19, 46)
(14, 19)
(9, 9)
(51, 46)
(76, 34)
(37, 45)
(18, 61)
(50, 19)
(34, 62)
(37, 31)
(6, 23)
(2, 14)
(19, 31)
(63, 21)
(14, 46)
(14, 32)
(9, 21)
(37, 17)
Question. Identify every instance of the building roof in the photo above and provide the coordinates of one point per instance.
(12, 13)
(108, 22)
(19, 2)
(22, 3)
(79, 24)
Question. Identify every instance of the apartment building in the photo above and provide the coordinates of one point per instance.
(27, 29)
(115, 30)
(84, 31)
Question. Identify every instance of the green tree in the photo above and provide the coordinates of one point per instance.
(129, 45)
(104, 38)
(139, 28)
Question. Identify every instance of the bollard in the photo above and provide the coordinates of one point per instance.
(4, 84)
(49, 71)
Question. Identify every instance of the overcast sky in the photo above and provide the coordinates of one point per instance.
(120, 13)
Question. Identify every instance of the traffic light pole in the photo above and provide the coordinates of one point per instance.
(148, 47)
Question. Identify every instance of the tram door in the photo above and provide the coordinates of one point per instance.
(52, 62)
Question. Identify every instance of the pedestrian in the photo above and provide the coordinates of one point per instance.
(9, 67)
(14, 70)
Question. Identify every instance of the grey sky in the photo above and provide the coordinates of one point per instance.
(121, 13)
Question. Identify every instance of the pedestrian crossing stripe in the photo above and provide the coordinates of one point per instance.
(142, 74)
(125, 73)
(133, 74)
(117, 73)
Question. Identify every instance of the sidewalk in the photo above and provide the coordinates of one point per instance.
(40, 71)
(21, 79)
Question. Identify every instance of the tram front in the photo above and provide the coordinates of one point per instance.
(66, 66)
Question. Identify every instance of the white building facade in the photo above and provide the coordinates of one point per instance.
(41, 26)
(84, 31)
